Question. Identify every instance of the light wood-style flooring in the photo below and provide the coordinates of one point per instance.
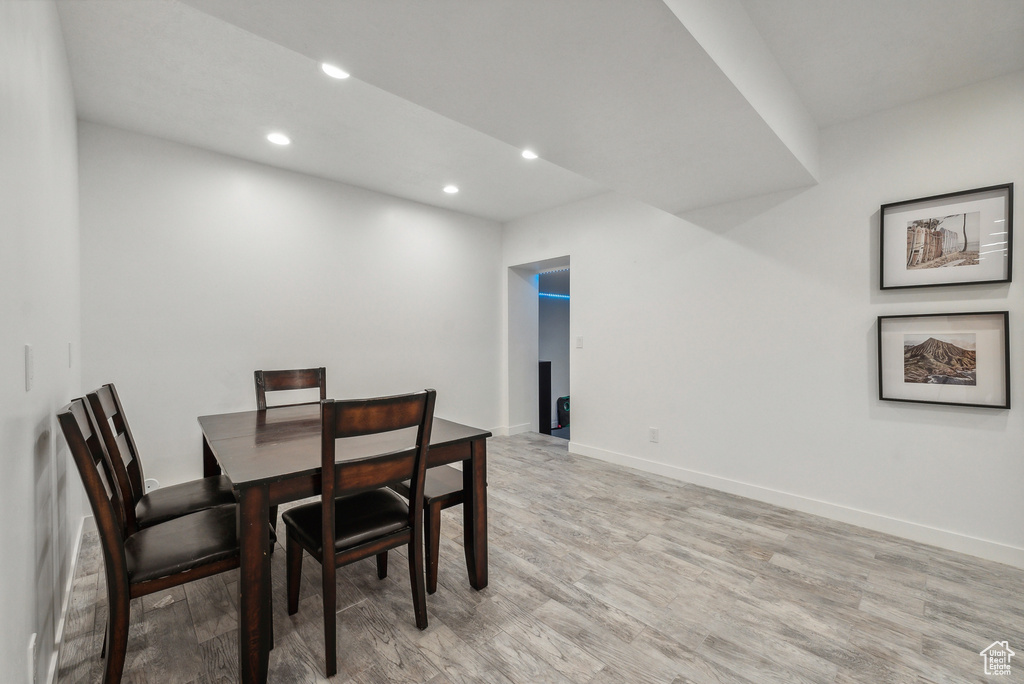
(600, 574)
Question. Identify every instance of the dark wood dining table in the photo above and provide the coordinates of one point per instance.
(272, 456)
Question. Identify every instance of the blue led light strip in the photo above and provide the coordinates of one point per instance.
(553, 296)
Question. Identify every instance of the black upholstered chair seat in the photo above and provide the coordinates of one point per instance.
(167, 503)
(181, 544)
(357, 518)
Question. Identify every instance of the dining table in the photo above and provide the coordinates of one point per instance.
(272, 456)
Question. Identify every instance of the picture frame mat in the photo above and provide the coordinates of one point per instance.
(993, 205)
(990, 335)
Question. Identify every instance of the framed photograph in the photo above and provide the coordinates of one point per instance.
(953, 239)
(956, 358)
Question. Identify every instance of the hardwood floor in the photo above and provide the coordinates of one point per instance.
(600, 574)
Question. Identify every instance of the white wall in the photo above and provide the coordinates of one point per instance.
(522, 351)
(198, 268)
(40, 493)
(747, 334)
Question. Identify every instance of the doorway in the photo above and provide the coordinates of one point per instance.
(553, 350)
(522, 407)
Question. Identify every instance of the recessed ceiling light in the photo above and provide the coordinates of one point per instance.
(333, 71)
(451, 189)
(279, 139)
(529, 154)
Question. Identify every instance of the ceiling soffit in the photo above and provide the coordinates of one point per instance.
(618, 92)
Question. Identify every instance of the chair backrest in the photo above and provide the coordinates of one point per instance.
(108, 416)
(361, 417)
(100, 485)
(299, 379)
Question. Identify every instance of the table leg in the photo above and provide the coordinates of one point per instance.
(474, 483)
(210, 465)
(254, 613)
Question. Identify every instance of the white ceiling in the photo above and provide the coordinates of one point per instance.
(678, 103)
(850, 58)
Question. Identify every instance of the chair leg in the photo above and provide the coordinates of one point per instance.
(116, 641)
(273, 518)
(382, 565)
(419, 595)
(270, 613)
(432, 533)
(293, 572)
(330, 617)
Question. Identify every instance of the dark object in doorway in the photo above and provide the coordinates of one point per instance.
(563, 412)
(544, 400)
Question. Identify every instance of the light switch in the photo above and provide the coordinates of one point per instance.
(29, 367)
(579, 341)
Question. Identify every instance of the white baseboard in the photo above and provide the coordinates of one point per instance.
(518, 429)
(65, 604)
(982, 548)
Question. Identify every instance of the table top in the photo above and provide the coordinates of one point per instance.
(255, 447)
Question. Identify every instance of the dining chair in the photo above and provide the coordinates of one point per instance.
(442, 489)
(284, 380)
(357, 516)
(280, 380)
(152, 559)
(144, 509)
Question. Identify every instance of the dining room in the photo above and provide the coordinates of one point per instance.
(735, 502)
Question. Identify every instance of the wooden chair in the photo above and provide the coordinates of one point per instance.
(442, 489)
(153, 559)
(142, 509)
(282, 380)
(357, 515)
(278, 380)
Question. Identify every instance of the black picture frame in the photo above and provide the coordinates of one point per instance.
(961, 359)
(958, 238)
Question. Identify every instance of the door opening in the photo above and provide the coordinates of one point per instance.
(523, 349)
(553, 350)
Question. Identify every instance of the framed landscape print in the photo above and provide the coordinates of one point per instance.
(955, 358)
(953, 239)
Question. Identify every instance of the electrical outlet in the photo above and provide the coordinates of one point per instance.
(652, 434)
